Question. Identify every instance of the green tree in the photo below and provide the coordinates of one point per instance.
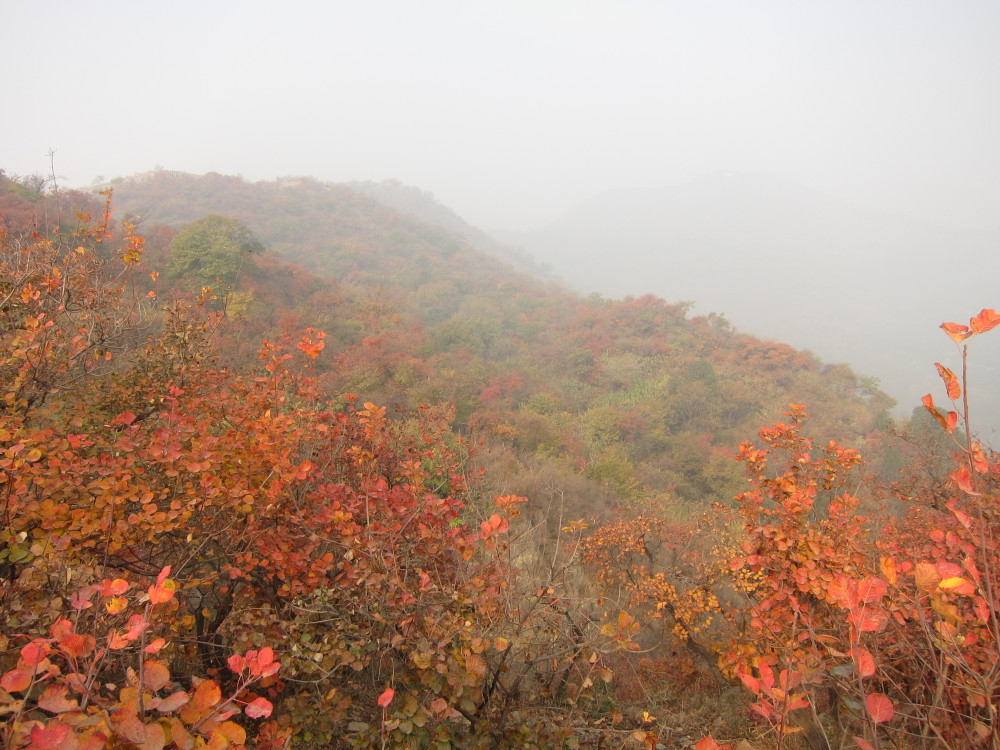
(212, 250)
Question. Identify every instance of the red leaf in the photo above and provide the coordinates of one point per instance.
(265, 656)
(864, 661)
(35, 652)
(985, 321)
(158, 594)
(867, 620)
(863, 744)
(707, 743)
(871, 590)
(137, 625)
(963, 518)
(156, 646)
(752, 683)
(259, 708)
(963, 479)
(50, 737)
(386, 698)
(766, 676)
(880, 708)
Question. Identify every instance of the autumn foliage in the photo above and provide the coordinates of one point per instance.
(167, 523)
(878, 631)
(205, 551)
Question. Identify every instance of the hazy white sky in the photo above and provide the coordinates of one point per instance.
(511, 112)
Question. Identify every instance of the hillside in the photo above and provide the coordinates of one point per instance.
(416, 498)
(632, 394)
(422, 206)
(787, 262)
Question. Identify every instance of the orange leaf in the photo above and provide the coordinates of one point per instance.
(155, 674)
(206, 695)
(956, 331)
(888, 567)
(234, 732)
(386, 698)
(958, 585)
(160, 594)
(752, 683)
(928, 402)
(926, 576)
(172, 702)
(16, 680)
(950, 381)
(963, 518)
(54, 700)
(156, 738)
(985, 321)
(76, 645)
(880, 708)
(863, 744)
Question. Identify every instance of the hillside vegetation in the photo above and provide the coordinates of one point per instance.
(281, 465)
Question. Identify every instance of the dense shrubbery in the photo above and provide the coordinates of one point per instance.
(202, 546)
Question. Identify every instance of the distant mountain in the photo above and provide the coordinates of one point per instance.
(422, 205)
(786, 262)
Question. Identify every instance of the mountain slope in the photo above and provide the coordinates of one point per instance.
(786, 262)
(630, 397)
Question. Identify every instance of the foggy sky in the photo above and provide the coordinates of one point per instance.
(513, 112)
